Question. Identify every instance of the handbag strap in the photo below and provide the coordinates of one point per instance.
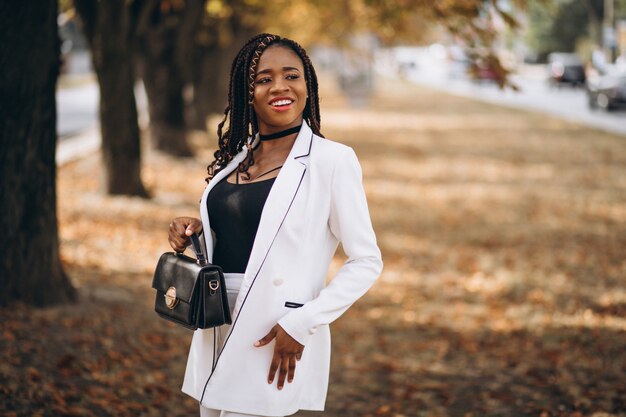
(195, 242)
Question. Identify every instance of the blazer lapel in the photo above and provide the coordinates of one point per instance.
(277, 206)
(275, 210)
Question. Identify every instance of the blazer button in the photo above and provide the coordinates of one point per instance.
(278, 282)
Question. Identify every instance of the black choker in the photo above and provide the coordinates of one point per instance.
(281, 134)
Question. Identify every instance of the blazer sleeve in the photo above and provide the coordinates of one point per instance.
(350, 223)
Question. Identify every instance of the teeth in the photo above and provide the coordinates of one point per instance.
(281, 103)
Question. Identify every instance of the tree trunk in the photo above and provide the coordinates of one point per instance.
(211, 79)
(30, 267)
(189, 48)
(160, 70)
(107, 28)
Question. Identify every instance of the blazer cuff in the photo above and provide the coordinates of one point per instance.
(292, 325)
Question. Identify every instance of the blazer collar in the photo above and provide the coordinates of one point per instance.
(301, 147)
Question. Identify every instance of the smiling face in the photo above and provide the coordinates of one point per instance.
(280, 90)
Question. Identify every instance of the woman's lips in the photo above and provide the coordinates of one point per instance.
(281, 104)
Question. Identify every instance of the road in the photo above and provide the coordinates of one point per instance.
(78, 106)
(77, 109)
(78, 97)
(535, 94)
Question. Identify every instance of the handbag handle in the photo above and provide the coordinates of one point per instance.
(195, 242)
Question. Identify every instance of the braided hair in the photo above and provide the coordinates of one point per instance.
(239, 112)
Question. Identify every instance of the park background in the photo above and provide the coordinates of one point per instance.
(503, 231)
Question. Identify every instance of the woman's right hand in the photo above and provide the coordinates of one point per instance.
(180, 230)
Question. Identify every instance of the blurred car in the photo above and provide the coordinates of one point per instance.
(460, 65)
(405, 68)
(566, 68)
(481, 71)
(608, 91)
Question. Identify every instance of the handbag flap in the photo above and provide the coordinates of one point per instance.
(178, 271)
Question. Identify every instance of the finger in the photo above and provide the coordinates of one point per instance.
(283, 371)
(181, 228)
(174, 244)
(179, 225)
(266, 339)
(193, 226)
(177, 244)
(176, 239)
(292, 368)
(273, 368)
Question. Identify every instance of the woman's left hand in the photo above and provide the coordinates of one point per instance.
(286, 352)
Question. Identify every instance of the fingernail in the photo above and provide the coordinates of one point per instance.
(257, 343)
(280, 387)
(269, 381)
(290, 380)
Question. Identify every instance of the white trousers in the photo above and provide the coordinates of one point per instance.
(233, 284)
(209, 412)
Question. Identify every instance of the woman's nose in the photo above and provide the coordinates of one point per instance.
(280, 85)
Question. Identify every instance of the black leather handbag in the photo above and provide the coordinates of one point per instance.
(190, 292)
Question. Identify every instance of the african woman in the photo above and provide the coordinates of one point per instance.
(280, 198)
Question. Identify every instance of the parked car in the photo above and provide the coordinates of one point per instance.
(608, 91)
(566, 68)
(461, 66)
(481, 71)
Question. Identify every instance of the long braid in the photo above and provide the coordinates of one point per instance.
(242, 122)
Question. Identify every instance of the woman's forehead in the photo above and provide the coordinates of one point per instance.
(277, 57)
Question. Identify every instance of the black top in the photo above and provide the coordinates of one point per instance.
(234, 214)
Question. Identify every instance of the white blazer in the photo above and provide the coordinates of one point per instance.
(316, 201)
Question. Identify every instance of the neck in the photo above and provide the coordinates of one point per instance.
(280, 134)
(278, 145)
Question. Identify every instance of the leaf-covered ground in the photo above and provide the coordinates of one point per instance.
(504, 290)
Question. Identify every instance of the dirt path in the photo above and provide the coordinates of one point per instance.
(504, 240)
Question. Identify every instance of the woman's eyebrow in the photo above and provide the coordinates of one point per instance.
(269, 70)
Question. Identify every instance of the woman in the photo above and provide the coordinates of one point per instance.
(280, 197)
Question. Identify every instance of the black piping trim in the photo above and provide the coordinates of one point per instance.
(309, 151)
(214, 348)
(232, 328)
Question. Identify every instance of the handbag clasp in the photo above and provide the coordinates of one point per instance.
(170, 298)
